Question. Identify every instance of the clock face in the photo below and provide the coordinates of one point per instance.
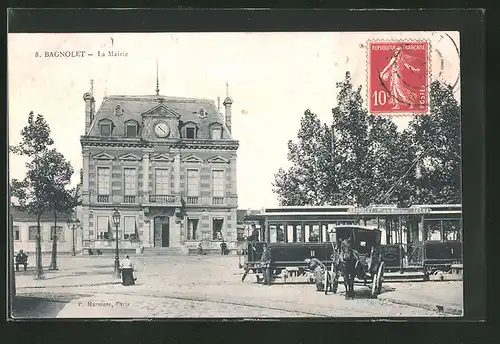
(161, 129)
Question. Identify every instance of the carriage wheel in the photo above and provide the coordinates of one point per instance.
(377, 281)
(326, 282)
(381, 277)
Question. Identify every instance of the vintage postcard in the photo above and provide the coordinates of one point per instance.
(235, 175)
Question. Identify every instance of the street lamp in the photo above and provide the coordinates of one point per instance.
(116, 221)
(73, 224)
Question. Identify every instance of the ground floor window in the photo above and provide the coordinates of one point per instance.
(32, 232)
(217, 224)
(103, 228)
(130, 228)
(192, 233)
(58, 231)
(17, 236)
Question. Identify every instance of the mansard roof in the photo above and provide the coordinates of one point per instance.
(134, 107)
(20, 216)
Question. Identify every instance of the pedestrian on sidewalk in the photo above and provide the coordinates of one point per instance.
(127, 268)
(223, 248)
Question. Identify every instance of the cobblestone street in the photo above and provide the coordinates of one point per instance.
(209, 286)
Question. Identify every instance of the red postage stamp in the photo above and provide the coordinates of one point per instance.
(398, 77)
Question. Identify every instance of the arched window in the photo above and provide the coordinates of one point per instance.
(131, 129)
(105, 127)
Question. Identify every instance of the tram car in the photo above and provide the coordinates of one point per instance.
(432, 244)
(423, 238)
(293, 234)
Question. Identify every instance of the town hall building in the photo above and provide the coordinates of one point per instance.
(167, 164)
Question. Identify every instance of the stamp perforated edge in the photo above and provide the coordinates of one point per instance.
(367, 73)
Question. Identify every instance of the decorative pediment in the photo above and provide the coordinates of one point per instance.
(103, 156)
(192, 158)
(162, 158)
(161, 111)
(218, 159)
(129, 157)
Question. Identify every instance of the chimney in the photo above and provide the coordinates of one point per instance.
(227, 103)
(88, 97)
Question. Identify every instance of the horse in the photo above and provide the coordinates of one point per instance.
(348, 266)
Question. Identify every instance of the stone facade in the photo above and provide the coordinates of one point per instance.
(168, 165)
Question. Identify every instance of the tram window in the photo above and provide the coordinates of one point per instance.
(280, 233)
(324, 233)
(273, 234)
(289, 233)
(299, 234)
(307, 231)
(331, 232)
(433, 230)
(451, 229)
(314, 234)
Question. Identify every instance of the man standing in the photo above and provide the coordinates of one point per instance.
(21, 258)
(223, 248)
(266, 265)
(255, 234)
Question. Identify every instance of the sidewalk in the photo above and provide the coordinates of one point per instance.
(444, 297)
(71, 274)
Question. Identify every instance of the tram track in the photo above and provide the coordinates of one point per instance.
(249, 304)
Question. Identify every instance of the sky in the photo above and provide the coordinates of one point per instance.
(273, 78)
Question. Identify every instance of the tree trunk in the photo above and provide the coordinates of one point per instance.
(39, 266)
(53, 257)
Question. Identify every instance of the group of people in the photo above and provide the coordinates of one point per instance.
(224, 250)
(317, 267)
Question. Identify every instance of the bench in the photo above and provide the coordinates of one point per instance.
(23, 262)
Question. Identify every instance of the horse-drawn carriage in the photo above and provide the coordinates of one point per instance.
(352, 251)
(357, 257)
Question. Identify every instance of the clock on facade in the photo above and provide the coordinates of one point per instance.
(161, 129)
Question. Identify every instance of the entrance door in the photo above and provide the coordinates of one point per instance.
(162, 232)
(165, 234)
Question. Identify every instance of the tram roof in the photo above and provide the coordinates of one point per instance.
(364, 228)
(350, 210)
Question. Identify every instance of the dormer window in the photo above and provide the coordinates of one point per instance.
(216, 131)
(190, 133)
(105, 127)
(131, 129)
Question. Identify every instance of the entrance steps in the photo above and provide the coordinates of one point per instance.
(163, 251)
